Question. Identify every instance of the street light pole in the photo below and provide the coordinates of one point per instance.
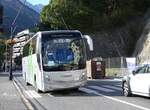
(11, 53)
(12, 31)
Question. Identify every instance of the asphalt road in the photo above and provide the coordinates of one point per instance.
(96, 95)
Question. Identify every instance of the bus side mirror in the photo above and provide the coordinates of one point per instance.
(89, 41)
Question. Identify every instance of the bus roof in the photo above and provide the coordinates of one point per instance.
(52, 32)
(59, 31)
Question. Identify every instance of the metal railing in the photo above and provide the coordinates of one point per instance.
(116, 66)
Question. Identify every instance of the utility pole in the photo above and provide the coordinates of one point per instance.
(12, 31)
(11, 52)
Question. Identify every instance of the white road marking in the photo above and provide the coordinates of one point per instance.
(50, 95)
(117, 79)
(86, 90)
(113, 87)
(89, 91)
(101, 89)
(32, 94)
(4, 94)
(119, 85)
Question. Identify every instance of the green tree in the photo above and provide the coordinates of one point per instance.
(2, 48)
(18, 60)
(66, 14)
(88, 15)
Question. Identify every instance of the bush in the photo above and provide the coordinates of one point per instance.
(2, 50)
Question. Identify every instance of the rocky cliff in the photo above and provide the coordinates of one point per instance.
(119, 41)
(142, 48)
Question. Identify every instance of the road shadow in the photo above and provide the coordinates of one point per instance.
(80, 93)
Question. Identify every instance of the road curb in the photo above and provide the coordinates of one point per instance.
(35, 104)
(25, 100)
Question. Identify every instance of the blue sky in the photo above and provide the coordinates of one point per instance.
(44, 2)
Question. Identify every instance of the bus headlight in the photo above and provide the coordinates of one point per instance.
(47, 78)
(83, 76)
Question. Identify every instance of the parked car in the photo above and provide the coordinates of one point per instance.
(138, 82)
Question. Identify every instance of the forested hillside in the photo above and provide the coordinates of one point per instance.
(92, 14)
(115, 25)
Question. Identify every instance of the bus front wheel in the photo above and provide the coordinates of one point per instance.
(27, 84)
(36, 87)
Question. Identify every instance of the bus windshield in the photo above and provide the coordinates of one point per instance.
(63, 52)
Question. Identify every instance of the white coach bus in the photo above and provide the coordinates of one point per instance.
(55, 60)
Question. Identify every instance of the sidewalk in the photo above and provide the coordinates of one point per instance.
(9, 96)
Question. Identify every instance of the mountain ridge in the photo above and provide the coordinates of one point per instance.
(27, 18)
(37, 7)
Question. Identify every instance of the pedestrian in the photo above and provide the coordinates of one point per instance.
(7, 68)
(4, 67)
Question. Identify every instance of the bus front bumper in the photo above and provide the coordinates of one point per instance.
(60, 85)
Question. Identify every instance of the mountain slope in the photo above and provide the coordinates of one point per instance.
(37, 8)
(28, 18)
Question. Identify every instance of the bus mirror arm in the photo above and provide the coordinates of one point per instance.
(89, 41)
